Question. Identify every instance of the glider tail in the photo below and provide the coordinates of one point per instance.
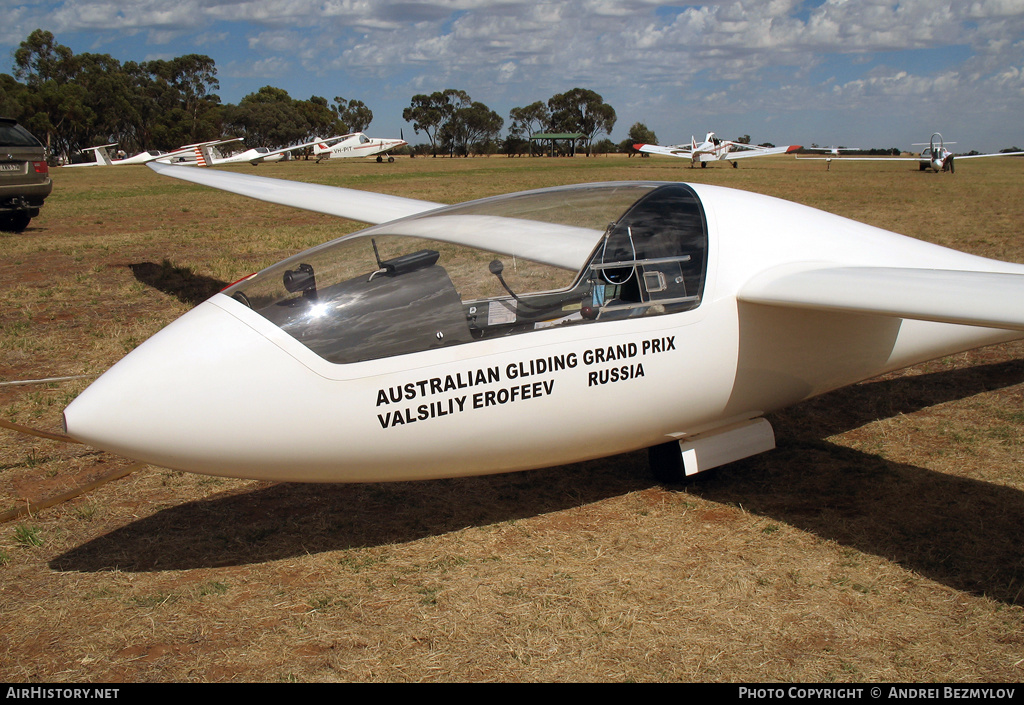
(204, 156)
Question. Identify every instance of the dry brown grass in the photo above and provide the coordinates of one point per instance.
(882, 540)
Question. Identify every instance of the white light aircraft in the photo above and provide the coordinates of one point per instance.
(713, 149)
(357, 144)
(525, 331)
(936, 157)
(205, 155)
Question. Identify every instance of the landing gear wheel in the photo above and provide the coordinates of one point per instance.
(391, 160)
(379, 159)
(666, 462)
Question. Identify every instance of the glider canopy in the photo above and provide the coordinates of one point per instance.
(499, 266)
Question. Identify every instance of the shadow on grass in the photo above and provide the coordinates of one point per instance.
(288, 519)
(180, 282)
(960, 532)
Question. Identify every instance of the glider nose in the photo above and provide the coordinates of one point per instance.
(186, 398)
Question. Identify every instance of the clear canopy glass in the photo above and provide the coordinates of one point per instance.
(499, 266)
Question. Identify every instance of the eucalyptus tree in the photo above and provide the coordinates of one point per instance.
(183, 105)
(431, 113)
(639, 133)
(353, 115)
(581, 110)
(527, 121)
(321, 120)
(471, 127)
(266, 118)
(78, 101)
(58, 112)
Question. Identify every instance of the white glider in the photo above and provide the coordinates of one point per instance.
(535, 329)
(206, 155)
(103, 157)
(936, 157)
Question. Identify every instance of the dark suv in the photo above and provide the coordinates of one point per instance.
(24, 176)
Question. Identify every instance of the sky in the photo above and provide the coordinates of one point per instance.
(864, 73)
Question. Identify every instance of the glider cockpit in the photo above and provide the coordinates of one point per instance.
(500, 266)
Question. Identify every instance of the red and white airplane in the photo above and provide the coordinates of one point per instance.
(713, 149)
(357, 144)
(936, 157)
(630, 315)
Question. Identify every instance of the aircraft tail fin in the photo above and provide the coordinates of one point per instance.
(102, 157)
(204, 155)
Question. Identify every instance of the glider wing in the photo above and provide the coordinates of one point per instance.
(987, 299)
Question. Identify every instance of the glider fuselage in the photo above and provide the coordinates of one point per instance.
(399, 369)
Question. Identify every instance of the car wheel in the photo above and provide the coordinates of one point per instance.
(15, 222)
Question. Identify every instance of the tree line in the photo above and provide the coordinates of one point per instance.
(74, 101)
(456, 124)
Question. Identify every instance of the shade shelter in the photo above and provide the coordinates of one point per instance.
(554, 137)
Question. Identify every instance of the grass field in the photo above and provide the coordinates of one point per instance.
(882, 541)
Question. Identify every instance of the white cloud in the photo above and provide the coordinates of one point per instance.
(261, 69)
(738, 54)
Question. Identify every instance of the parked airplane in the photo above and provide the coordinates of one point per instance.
(205, 155)
(357, 145)
(187, 155)
(936, 157)
(103, 157)
(713, 149)
(523, 331)
(834, 151)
